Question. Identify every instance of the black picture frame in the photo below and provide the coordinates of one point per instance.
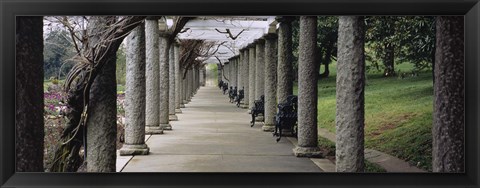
(9, 9)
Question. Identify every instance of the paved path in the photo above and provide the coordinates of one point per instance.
(213, 135)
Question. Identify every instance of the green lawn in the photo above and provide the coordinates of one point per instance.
(398, 113)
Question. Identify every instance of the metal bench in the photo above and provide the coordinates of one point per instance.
(258, 108)
(239, 97)
(286, 118)
(225, 87)
(220, 84)
(232, 93)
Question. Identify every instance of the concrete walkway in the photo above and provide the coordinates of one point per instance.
(213, 135)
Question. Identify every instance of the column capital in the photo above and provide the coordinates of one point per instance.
(153, 17)
(251, 45)
(259, 41)
(284, 19)
(164, 34)
(270, 36)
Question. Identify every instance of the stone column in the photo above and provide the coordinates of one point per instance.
(350, 118)
(448, 130)
(185, 87)
(152, 121)
(182, 88)
(171, 79)
(219, 73)
(230, 70)
(307, 90)
(164, 81)
(178, 92)
(259, 68)
(239, 72)
(251, 76)
(29, 100)
(245, 75)
(135, 95)
(235, 71)
(190, 84)
(270, 82)
(285, 59)
(197, 79)
(102, 110)
(202, 76)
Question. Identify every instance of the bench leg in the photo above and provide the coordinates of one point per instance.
(252, 123)
(280, 135)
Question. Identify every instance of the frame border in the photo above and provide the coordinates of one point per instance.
(9, 9)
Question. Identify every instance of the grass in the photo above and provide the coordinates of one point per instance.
(398, 113)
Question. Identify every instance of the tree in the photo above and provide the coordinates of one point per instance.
(29, 89)
(327, 27)
(399, 39)
(58, 50)
(327, 35)
(91, 58)
(380, 37)
(448, 147)
(101, 124)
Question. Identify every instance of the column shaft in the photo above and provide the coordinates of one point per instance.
(350, 95)
(307, 89)
(270, 81)
(246, 79)
(164, 46)
(135, 95)
(285, 65)
(260, 69)
(171, 79)
(153, 78)
(251, 76)
(178, 92)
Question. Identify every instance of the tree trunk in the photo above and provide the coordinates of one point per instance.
(449, 90)
(29, 91)
(350, 115)
(78, 84)
(326, 61)
(389, 59)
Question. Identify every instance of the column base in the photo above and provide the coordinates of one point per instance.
(173, 117)
(244, 106)
(178, 111)
(166, 127)
(268, 128)
(312, 152)
(259, 118)
(182, 106)
(134, 149)
(153, 130)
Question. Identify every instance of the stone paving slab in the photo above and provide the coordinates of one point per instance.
(213, 135)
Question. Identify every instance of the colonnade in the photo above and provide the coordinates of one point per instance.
(156, 87)
(264, 68)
